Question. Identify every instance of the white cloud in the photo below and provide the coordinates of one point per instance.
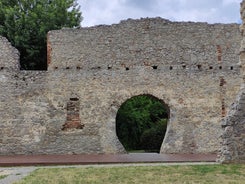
(107, 12)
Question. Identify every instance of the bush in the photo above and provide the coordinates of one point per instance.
(151, 139)
(135, 116)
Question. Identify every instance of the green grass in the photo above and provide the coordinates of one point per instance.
(225, 174)
(3, 176)
(136, 151)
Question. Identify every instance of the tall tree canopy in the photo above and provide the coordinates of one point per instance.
(25, 24)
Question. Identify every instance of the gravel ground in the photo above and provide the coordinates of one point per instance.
(14, 173)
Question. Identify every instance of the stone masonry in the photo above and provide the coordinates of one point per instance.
(71, 108)
(233, 138)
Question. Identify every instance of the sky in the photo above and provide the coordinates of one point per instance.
(98, 12)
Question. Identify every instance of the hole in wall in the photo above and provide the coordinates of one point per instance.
(78, 67)
(154, 67)
(127, 68)
(170, 68)
(231, 68)
(96, 68)
(210, 67)
(74, 99)
(199, 66)
(141, 123)
(184, 66)
(67, 67)
(220, 67)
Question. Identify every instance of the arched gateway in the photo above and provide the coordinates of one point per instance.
(193, 67)
(141, 123)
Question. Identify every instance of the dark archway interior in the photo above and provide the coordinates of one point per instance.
(141, 123)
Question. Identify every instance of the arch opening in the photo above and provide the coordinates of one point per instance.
(141, 123)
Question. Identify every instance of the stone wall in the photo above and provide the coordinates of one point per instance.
(9, 56)
(71, 108)
(233, 138)
(23, 104)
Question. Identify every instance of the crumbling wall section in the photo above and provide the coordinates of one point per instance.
(24, 108)
(9, 56)
(233, 138)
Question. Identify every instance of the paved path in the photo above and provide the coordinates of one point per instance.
(14, 174)
(133, 159)
(85, 159)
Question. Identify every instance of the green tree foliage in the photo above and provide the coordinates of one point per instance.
(138, 115)
(26, 22)
(151, 139)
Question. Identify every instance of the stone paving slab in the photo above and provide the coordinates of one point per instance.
(86, 159)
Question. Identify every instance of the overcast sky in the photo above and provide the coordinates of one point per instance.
(96, 12)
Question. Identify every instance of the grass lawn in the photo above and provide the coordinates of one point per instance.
(139, 174)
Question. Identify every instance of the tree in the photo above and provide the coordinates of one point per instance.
(137, 115)
(25, 24)
(152, 138)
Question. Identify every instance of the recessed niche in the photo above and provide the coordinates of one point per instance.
(73, 120)
(199, 66)
(210, 67)
(127, 68)
(78, 67)
(67, 67)
(220, 67)
(170, 68)
(231, 67)
(184, 66)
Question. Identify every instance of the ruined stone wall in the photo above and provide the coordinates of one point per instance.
(9, 56)
(192, 67)
(233, 138)
(71, 108)
(24, 108)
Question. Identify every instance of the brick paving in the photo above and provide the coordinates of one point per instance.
(87, 159)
